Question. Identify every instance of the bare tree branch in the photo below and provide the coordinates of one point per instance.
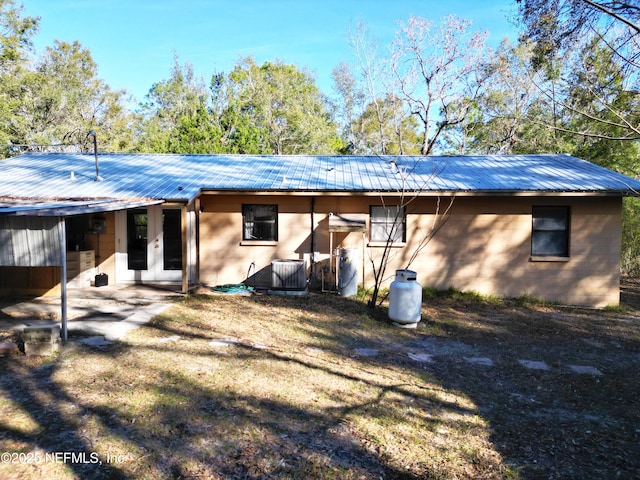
(611, 13)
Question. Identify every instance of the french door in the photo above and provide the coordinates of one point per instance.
(149, 245)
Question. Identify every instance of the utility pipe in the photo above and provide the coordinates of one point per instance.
(313, 243)
(95, 154)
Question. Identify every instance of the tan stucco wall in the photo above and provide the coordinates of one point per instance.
(483, 246)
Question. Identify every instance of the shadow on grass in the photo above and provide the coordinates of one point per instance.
(549, 422)
(300, 402)
(54, 431)
(132, 400)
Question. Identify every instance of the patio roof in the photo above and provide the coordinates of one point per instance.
(58, 208)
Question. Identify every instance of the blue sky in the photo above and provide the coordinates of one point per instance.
(134, 41)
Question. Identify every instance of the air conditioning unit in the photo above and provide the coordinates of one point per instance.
(288, 275)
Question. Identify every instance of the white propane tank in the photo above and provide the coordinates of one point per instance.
(405, 299)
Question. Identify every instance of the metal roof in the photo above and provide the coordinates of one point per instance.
(64, 177)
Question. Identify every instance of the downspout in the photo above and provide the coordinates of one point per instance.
(313, 243)
(196, 234)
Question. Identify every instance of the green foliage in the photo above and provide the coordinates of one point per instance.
(556, 26)
(65, 96)
(272, 108)
(16, 32)
(284, 104)
(599, 86)
(591, 48)
(630, 262)
(467, 297)
(172, 114)
(195, 133)
(384, 128)
(56, 98)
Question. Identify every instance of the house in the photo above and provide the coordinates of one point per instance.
(543, 225)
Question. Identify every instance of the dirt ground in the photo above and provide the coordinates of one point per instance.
(318, 387)
(560, 386)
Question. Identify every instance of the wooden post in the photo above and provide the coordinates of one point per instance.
(185, 250)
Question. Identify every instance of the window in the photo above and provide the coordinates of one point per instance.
(387, 223)
(260, 222)
(550, 232)
(172, 238)
(137, 234)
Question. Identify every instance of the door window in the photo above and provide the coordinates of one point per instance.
(172, 239)
(137, 236)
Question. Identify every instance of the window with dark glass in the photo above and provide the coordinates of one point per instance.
(260, 222)
(137, 234)
(387, 223)
(172, 239)
(550, 232)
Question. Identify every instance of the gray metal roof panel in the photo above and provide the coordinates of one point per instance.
(182, 177)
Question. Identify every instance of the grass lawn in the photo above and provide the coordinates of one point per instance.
(317, 387)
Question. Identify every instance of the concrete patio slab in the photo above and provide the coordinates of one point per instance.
(585, 370)
(110, 312)
(421, 357)
(484, 361)
(534, 364)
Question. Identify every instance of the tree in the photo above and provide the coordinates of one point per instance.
(379, 120)
(412, 187)
(195, 133)
(56, 98)
(239, 132)
(561, 28)
(437, 72)
(630, 257)
(350, 106)
(559, 24)
(63, 95)
(273, 108)
(385, 119)
(171, 105)
(16, 32)
(598, 85)
(284, 103)
(511, 114)
(375, 86)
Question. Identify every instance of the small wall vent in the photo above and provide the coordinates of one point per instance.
(288, 275)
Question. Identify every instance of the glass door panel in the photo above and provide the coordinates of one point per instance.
(137, 239)
(172, 239)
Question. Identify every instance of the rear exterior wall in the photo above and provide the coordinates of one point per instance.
(483, 244)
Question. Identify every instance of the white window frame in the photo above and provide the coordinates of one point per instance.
(382, 220)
